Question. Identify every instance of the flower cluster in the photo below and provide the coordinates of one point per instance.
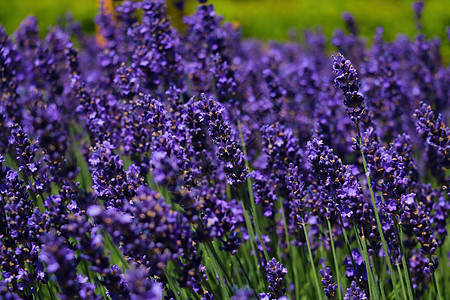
(275, 275)
(355, 293)
(347, 80)
(329, 287)
(146, 162)
(436, 133)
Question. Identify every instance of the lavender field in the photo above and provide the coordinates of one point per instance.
(148, 162)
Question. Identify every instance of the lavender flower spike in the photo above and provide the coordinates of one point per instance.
(347, 80)
(329, 286)
(355, 293)
(275, 275)
(436, 132)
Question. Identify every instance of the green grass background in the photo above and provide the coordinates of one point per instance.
(265, 19)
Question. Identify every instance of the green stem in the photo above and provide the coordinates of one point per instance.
(248, 224)
(399, 233)
(292, 275)
(377, 217)
(246, 276)
(378, 282)
(383, 295)
(346, 241)
(220, 268)
(365, 254)
(228, 190)
(224, 289)
(50, 291)
(255, 218)
(194, 294)
(173, 285)
(252, 198)
(299, 273)
(405, 295)
(311, 259)
(338, 277)
(118, 253)
(436, 285)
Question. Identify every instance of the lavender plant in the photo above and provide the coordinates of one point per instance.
(148, 162)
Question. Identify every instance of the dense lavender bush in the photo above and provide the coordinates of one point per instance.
(148, 163)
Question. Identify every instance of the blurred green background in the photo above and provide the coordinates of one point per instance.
(266, 19)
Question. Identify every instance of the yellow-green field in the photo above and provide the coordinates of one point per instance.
(266, 19)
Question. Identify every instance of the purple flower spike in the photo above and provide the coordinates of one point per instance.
(347, 80)
(60, 260)
(25, 151)
(355, 293)
(329, 286)
(418, 7)
(416, 220)
(437, 134)
(350, 22)
(142, 288)
(275, 275)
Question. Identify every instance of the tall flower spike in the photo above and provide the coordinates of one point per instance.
(437, 207)
(126, 82)
(7, 294)
(110, 181)
(87, 289)
(275, 276)
(329, 286)
(359, 274)
(418, 7)
(355, 293)
(339, 180)
(156, 58)
(436, 132)
(25, 151)
(392, 171)
(295, 207)
(350, 22)
(60, 261)
(419, 267)
(263, 192)
(150, 232)
(281, 148)
(9, 59)
(347, 80)
(416, 220)
(222, 134)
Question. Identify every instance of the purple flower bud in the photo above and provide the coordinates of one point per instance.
(355, 293)
(329, 286)
(346, 79)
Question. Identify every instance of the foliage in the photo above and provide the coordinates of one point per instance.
(146, 162)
